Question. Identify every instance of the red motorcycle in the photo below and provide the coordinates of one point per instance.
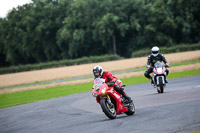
(112, 103)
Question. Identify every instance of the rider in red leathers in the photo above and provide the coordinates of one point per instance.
(99, 73)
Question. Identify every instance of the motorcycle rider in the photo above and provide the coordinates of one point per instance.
(152, 59)
(109, 78)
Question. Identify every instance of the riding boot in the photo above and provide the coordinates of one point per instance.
(152, 82)
(167, 72)
(127, 97)
(121, 91)
(166, 81)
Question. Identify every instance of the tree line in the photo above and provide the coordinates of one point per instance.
(50, 30)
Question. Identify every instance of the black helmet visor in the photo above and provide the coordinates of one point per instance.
(154, 52)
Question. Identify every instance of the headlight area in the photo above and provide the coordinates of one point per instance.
(95, 94)
(103, 91)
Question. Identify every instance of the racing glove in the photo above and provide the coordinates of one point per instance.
(167, 65)
(148, 66)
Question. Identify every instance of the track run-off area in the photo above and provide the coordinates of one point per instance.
(177, 110)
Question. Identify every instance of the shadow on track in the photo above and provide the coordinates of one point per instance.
(122, 116)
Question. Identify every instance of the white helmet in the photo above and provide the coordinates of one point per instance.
(155, 51)
(97, 71)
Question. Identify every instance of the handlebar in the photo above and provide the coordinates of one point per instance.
(149, 67)
(166, 66)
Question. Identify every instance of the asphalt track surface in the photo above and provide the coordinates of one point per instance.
(176, 110)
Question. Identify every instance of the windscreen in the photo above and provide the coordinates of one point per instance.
(158, 64)
(97, 83)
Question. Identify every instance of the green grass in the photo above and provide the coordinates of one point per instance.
(141, 79)
(172, 65)
(17, 98)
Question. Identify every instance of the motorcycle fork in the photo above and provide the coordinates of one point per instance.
(109, 100)
(107, 97)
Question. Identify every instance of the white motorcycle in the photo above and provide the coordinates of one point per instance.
(159, 76)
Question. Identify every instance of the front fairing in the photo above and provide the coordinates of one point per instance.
(99, 88)
(158, 69)
(97, 83)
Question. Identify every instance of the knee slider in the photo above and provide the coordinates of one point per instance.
(146, 74)
(167, 71)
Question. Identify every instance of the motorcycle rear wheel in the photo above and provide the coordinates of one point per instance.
(131, 109)
(109, 111)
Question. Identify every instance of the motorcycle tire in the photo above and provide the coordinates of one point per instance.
(110, 112)
(161, 85)
(131, 109)
(158, 90)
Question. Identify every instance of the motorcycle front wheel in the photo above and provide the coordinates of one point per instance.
(108, 109)
(161, 85)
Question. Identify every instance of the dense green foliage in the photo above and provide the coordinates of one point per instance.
(49, 30)
(53, 64)
(17, 98)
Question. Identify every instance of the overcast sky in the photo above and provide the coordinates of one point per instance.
(6, 5)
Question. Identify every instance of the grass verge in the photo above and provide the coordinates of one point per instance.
(17, 98)
(134, 70)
